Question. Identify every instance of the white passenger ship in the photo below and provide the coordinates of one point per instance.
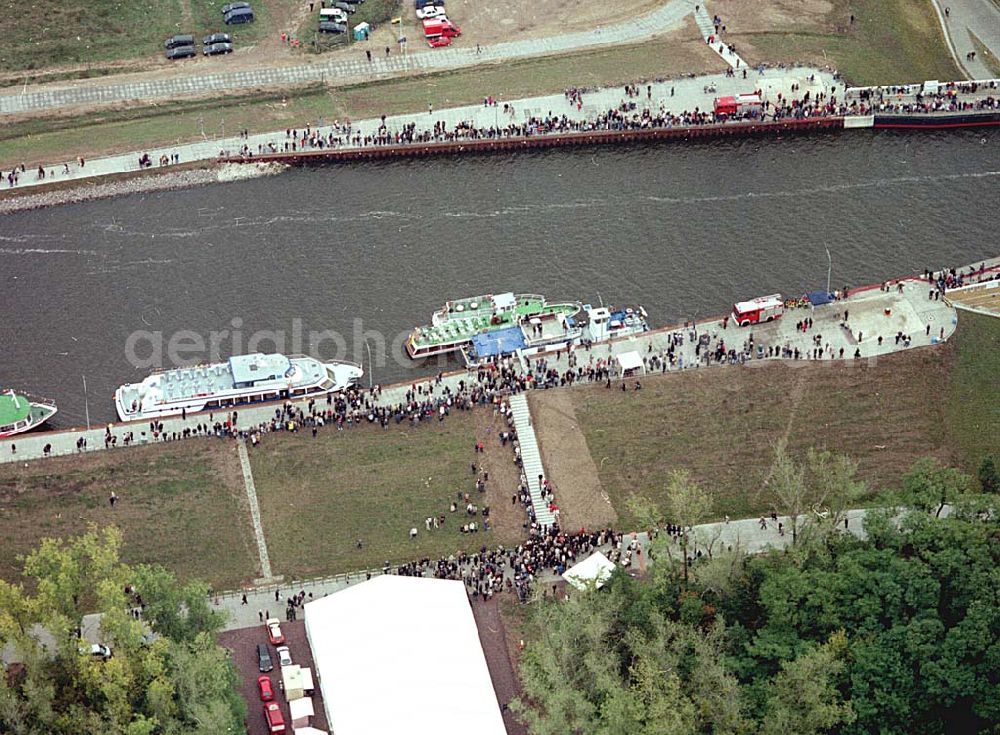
(241, 381)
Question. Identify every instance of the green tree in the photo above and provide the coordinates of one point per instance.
(804, 697)
(989, 478)
(930, 487)
(55, 687)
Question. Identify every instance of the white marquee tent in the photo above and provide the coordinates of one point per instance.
(631, 361)
(596, 567)
(402, 655)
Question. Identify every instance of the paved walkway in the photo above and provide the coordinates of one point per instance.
(873, 313)
(709, 538)
(675, 96)
(258, 528)
(982, 17)
(343, 70)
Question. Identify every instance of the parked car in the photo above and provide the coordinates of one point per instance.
(275, 720)
(274, 633)
(239, 15)
(226, 9)
(332, 28)
(181, 52)
(284, 656)
(346, 7)
(265, 688)
(430, 11)
(424, 3)
(178, 41)
(263, 659)
(334, 15)
(355, 2)
(216, 38)
(98, 650)
(438, 41)
(218, 48)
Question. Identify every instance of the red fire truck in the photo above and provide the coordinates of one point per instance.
(763, 309)
(741, 104)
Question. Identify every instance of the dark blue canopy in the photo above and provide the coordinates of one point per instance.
(818, 298)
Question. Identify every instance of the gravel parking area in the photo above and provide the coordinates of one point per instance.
(243, 643)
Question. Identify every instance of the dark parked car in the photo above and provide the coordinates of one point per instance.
(327, 27)
(181, 52)
(218, 48)
(263, 658)
(177, 41)
(216, 38)
(346, 7)
(233, 6)
(239, 15)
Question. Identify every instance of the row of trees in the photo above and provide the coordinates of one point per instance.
(898, 632)
(166, 674)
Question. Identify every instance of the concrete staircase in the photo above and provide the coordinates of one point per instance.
(531, 459)
(704, 21)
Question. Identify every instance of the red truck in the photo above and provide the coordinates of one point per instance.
(439, 31)
(738, 105)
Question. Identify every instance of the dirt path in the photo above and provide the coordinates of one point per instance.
(507, 518)
(568, 464)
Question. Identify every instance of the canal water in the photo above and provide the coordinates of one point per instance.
(342, 261)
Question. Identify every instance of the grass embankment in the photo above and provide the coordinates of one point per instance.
(721, 424)
(319, 496)
(38, 35)
(53, 139)
(180, 505)
(890, 42)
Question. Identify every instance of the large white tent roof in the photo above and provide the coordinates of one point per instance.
(596, 568)
(402, 655)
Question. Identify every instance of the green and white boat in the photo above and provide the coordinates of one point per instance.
(20, 412)
(454, 325)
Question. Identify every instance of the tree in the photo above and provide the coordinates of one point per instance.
(989, 478)
(803, 698)
(687, 506)
(182, 685)
(930, 487)
(787, 482)
(607, 662)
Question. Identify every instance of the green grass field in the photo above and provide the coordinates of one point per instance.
(43, 34)
(891, 42)
(319, 496)
(179, 506)
(721, 424)
(53, 139)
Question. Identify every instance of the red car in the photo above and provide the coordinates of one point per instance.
(274, 633)
(275, 720)
(266, 690)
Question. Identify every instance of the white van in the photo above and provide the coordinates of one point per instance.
(332, 15)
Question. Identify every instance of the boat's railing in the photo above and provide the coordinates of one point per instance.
(358, 365)
(38, 399)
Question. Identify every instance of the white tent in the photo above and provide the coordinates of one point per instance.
(596, 568)
(302, 710)
(631, 361)
(402, 655)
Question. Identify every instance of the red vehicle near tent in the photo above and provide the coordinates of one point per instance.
(763, 309)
